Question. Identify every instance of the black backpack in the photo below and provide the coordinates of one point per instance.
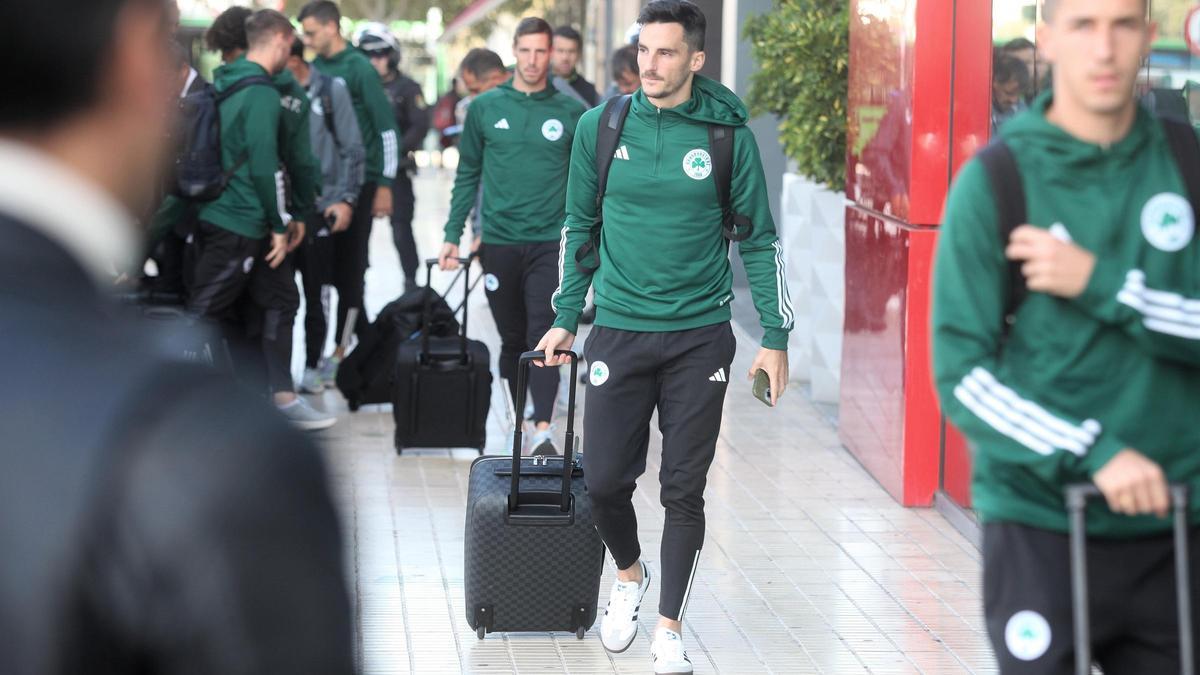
(1009, 194)
(734, 226)
(199, 175)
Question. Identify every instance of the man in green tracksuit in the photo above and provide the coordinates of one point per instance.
(662, 337)
(230, 239)
(321, 22)
(1098, 378)
(518, 138)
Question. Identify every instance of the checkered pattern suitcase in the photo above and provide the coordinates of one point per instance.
(533, 557)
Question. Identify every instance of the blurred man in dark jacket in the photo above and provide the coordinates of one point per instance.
(152, 518)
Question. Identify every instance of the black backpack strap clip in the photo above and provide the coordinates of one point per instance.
(1009, 195)
(735, 226)
(608, 136)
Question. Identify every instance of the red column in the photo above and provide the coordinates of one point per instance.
(918, 106)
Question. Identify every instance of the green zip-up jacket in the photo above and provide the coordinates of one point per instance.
(295, 145)
(1077, 380)
(520, 144)
(375, 118)
(250, 203)
(664, 263)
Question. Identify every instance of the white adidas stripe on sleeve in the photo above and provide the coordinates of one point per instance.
(1021, 419)
(1162, 311)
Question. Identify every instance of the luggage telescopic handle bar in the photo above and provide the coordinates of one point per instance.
(523, 366)
(1077, 499)
(427, 310)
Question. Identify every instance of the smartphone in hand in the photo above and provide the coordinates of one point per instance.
(762, 387)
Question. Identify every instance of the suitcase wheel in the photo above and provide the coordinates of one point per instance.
(353, 405)
(579, 632)
(480, 632)
(399, 449)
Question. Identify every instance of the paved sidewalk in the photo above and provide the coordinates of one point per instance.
(808, 567)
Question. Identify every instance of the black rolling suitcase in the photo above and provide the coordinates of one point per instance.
(533, 557)
(442, 387)
(1077, 499)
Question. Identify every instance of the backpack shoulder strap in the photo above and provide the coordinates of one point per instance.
(243, 84)
(1009, 195)
(1185, 146)
(735, 226)
(608, 136)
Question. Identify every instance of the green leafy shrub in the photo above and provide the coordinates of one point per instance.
(803, 48)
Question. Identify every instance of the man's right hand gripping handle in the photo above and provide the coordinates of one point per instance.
(555, 339)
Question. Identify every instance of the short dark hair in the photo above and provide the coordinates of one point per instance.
(1018, 45)
(533, 25)
(1008, 68)
(324, 11)
(48, 80)
(265, 24)
(228, 30)
(298, 48)
(1050, 6)
(479, 62)
(681, 12)
(624, 60)
(180, 56)
(569, 33)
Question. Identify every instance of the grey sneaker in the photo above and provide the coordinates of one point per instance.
(304, 416)
(312, 382)
(327, 368)
(542, 443)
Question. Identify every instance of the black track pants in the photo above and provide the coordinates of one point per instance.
(1131, 597)
(350, 259)
(520, 280)
(685, 375)
(234, 283)
(403, 205)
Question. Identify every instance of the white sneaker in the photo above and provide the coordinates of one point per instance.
(619, 626)
(312, 382)
(303, 416)
(668, 654)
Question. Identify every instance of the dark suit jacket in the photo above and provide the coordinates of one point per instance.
(153, 518)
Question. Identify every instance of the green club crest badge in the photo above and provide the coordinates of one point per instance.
(697, 164)
(1168, 222)
(598, 375)
(552, 130)
(1027, 635)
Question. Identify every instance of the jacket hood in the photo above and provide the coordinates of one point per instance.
(711, 103)
(509, 90)
(225, 76)
(1043, 140)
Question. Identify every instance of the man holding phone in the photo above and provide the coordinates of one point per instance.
(663, 285)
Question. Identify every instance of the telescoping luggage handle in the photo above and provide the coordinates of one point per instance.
(1077, 499)
(539, 507)
(427, 310)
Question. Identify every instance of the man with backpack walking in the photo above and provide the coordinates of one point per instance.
(1066, 343)
(321, 21)
(337, 142)
(232, 273)
(661, 181)
(517, 139)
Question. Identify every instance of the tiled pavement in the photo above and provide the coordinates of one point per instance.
(809, 566)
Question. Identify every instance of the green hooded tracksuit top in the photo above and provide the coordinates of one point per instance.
(295, 145)
(520, 145)
(375, 117)
(664, 262)
(250, 119)
(1077, 380)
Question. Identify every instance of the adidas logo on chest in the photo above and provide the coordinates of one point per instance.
(502, 124)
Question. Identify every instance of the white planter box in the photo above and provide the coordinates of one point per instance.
(814, 240)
